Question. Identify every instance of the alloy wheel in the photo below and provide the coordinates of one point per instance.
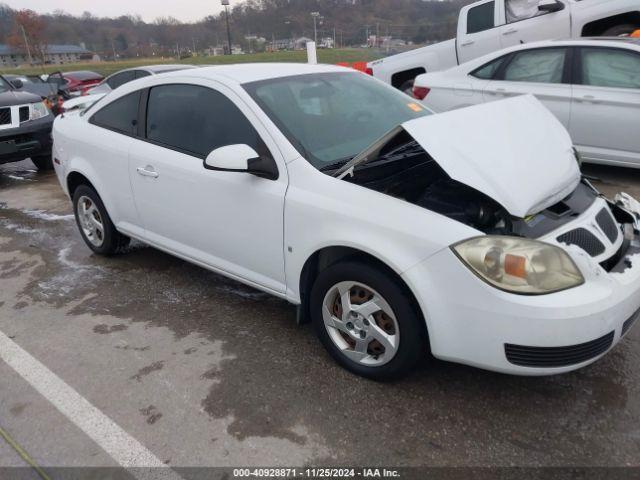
(90, 221)
(361, 323)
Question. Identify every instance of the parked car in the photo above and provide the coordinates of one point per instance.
(25, 127)
(592, 87)
(79, 83)
(491, 25)
(53, 92)
(125, 76)
(470, 232)
(117, 79)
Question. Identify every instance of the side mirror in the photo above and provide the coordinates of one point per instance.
(17, 83)
(241, 158)
(550, 6)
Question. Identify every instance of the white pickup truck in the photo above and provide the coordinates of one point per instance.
(490, 25)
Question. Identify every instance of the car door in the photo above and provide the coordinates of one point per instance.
(606, 105)
(543, 72)
(524, 23)
(106, 142)
(476, 31)
(230, 221)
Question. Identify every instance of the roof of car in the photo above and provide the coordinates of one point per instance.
(589, 41)
(253, 72)
(82, 75)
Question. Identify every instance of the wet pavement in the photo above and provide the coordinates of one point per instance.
(203, 371)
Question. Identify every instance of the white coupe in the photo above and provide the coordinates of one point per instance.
(591, 86)
(469, 234)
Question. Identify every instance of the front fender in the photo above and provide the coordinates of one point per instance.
(322, 211)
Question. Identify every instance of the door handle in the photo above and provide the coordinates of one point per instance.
(467, 43)
(590, 98)
(510, 32)
(147, 172)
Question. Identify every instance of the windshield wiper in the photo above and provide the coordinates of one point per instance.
(336, 165)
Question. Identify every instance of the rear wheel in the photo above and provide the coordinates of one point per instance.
(620, 31)
(43, 162)
(95, 225)
(366, 321)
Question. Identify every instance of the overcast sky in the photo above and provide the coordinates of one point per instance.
(184, 10)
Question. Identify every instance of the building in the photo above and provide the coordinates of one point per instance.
(55, 54)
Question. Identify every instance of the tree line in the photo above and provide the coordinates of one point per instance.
(350, 21)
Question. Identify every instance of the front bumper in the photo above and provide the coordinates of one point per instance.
(31, 139)
(472, 323)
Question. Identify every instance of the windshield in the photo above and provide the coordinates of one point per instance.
(331, 117)
(4, 85)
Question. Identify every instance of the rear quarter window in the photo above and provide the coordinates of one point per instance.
(119, 116)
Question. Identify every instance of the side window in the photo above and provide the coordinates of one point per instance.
(517, 10)
(537, 66)
(142, 74)
(481, 18)
(196, 120)
(120, 116)
(121, 78)
(488, 71)
(605, 67)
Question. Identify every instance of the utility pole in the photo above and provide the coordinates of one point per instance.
(315, 16)
(225, 3)
(26, 44)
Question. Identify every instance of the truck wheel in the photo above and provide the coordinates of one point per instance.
(43, 162)
(620, 31)
(367, 322)
(95, 225)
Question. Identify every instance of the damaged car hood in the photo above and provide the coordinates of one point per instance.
(514, 151)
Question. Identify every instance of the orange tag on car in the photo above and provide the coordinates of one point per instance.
(415, 107)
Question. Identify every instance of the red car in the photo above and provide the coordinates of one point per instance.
(79, 82)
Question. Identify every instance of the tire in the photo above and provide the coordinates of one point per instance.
(43, 162)
(90, 213)
(620, 30)
(350, 332)
(407, 87)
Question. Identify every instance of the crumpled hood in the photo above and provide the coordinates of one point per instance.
(514, 151)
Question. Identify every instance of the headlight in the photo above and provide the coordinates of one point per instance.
(519, 265)
(38, 110)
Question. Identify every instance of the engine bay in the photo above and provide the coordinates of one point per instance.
(404, 170)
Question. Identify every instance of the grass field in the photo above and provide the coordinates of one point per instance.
(330, 56)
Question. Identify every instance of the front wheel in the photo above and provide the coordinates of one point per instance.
(620, 31)
(43, 162)
(367, 321)
(95, 225)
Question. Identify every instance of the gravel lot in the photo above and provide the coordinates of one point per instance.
(203, 371)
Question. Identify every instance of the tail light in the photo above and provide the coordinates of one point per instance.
(369, 71)
(421, 92)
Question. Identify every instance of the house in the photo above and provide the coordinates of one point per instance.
(55, 54)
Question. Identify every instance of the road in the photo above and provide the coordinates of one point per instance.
(186, 368)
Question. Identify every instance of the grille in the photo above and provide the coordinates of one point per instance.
(552, 357)
(5, 116)
(607, 225)
(629, 323)
(583, 239)
(24, 114)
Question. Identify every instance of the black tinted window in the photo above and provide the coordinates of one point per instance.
(120, 115)
(481, 18)
(196, 120)
(121, 78)
(142, 73)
